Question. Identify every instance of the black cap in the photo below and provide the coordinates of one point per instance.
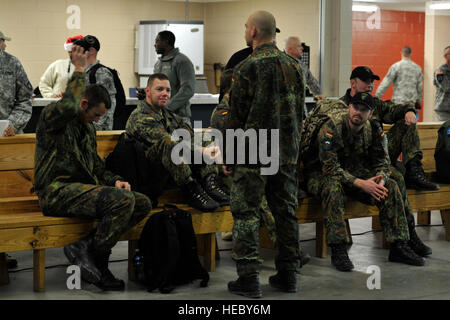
(93, 42)
(277, 30)
(363, 98)
(363, 73)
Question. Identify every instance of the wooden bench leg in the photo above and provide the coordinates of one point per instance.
(132, 247)
(39, 270)
(445, 215)
(4, 277)
(321, 240)
(349, 231)
(207, 248)
(376, 225)
(424, 217)
(385, 244)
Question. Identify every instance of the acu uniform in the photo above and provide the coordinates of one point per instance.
(70, 178)
(442, 100)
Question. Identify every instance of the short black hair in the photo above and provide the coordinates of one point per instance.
(160, 76)
(169, 36)
(406, 50)
(96, 94)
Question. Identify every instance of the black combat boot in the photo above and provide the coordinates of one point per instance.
(339, 257)
(11, 262)
(284, 280)
(214, 190)
(80, 254)
(304, 258)
(198, 198)
(401, 252)
(417, 245)
(107, 281)
(415, 177)
(247, 286)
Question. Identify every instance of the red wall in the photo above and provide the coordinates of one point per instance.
(380, 48)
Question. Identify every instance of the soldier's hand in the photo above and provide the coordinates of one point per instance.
(227, 170)
(410, 118)
(79, 58)
(9, 131)
(123, 185)
(212, 153)
(319, 97)
(375, 190)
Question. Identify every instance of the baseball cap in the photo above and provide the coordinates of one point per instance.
(277, 30)
(3, 37)
(70, 40)
(364, 73)
(88, 42)
(363, 98)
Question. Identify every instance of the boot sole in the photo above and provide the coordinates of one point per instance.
(411, 263)
(283, 288)
(253, 294)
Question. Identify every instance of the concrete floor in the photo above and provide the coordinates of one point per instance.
(318, 280)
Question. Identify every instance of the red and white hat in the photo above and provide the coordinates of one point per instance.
(69, 42)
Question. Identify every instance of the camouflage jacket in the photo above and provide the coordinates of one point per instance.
(385, 111)
(66, 147)
(442, 84)
(15, 92)
(153, 128)
(408, 82)
(219, 116)
(311, 83)
(268, 92)
(340, 153)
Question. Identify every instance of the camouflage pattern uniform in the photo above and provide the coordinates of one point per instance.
(336, 158)
(70, 178)
(154, 127)
(310, 82)
(104, 77)
(442, 100)
(408, 82)
(267, 94)
(15, 92)
(402, 138)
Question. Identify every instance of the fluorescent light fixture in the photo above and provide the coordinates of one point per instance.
(440, 5)
(364, 8)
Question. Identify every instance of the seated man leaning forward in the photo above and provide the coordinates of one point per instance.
(71, 181)
(152, 125)
(348, 157)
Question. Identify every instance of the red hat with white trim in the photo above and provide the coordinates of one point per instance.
(69, 42)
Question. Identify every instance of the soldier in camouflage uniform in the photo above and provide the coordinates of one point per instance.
(348, 157)
(403, 137)
(152, 125)
(102, 76)
(15, 91)
(266, 94)
(407, 78)
(441, 80)
(71, 181)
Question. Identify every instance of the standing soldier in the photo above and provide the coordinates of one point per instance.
(441, 80)
(267, 93)
(15, 91)
(71, 181)
(348, 157)
(407, 78)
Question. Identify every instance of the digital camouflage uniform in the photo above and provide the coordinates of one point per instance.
(104, 77)
(402, 138)
(310, 82)
(15, 92)
(336, 158)
(218, 121)
(153, 128)
(442, 100)
(70, 178)
(267, 93)
(408, 82)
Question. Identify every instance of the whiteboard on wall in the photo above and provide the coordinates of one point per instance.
(188, 38)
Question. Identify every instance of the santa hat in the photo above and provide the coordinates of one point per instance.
(69, 42)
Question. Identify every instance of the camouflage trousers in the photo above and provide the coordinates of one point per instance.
(332, 195)
(247, 192)
(106, 121)
(403, 139)
(117, 209)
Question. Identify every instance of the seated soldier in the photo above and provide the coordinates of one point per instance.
(348, 157)
(403, 137)
(152, 125)
(71, 181)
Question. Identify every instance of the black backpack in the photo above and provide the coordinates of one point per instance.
(120, 92)
(442, 153)
(167, 254)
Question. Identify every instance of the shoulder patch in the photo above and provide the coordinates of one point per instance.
(329, 134)
(224, 112)
(326, 145)
(149, 118)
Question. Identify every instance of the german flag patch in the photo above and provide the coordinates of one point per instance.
(329, 134)
(382, 133)
(224, 113)
(150, 118)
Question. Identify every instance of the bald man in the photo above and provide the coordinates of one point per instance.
(294, 49)
(267, 93)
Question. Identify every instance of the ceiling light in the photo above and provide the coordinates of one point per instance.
(440, 6)
(363, 8)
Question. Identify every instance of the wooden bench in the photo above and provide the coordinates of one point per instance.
(23, 227)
